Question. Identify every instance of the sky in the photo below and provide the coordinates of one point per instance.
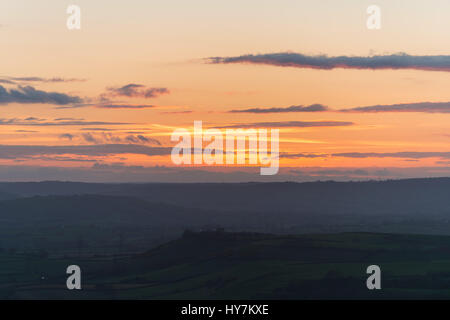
(100, 103)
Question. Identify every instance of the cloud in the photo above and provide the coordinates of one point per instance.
(406, 154)
(67, 136)
(138, 90)
(177, 112)
(98, 129)
(290, 124)
(76, 106)
(69, 119)
(106, 137)
(299, 108)
(89, 138)
(355, 172)
(63, 159)
(141, 139)
(34, 119)
(29, 94)
(428, 107)
(324, 62)
(40, 123)
(6, 81)
(40, 79)
(119, 172)
(16, 80)
(22, 151)
(124, 106)
(302, 155)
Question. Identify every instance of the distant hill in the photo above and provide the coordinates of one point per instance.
(93, 224)
(96, 209)
(7, 196)
(400, 197)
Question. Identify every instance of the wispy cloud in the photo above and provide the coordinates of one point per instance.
(21, 151)
(13, 80)
(29, 95)
(98, 129)
(107, 137)
(428, 107)
(137, 90)
(177, 112)
(324, 62)
(88, 137)
(6, 81)
(69, 119)
(302, 155)
(141, 139)
(67, 136)
(406, 154)
(291, 124)
(124, 106)
(299, 108)
(26, 131)
(43, 123)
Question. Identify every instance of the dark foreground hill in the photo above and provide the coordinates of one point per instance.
(220, 265)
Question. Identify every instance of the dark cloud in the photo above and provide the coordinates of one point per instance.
(40, 79)
(155, 92)
(89, 138)
(19, 151)
(29, 94)
(119, 172)
(124, 106)
(428, 107)
(63, 159)
(311, 108)
(290, 124)
(177, 112)
(6, 81)
(406, 154)
(355, 172)
(138, 90)
(107, 137)
(40, 122)
(302, 155)
(69, 119)
(98, 129)
(142, 139)
(34, 119)
(324, 62)
(17, 80)
(76, 106)
(67, 136)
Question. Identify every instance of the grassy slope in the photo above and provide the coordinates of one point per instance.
(248, 266)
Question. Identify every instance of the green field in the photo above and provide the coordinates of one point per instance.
(220, 265)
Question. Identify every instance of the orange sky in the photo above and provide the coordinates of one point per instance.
(164, 44)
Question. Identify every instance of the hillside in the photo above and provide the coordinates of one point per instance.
(221, 265)
(400, 197)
